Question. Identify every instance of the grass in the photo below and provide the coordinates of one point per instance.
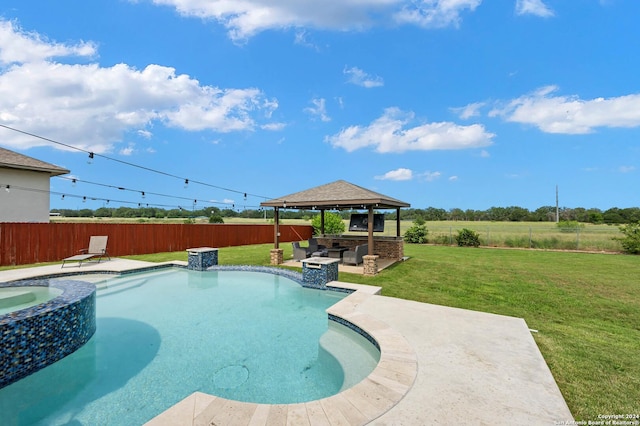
(586, 307)
(542, 235)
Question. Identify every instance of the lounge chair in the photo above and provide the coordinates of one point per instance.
(355, 256)
(97, 248)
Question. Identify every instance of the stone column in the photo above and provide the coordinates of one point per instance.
(277, 256)
(370, 264)
(201, 258)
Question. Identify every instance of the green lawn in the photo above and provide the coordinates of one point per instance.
(586, 308)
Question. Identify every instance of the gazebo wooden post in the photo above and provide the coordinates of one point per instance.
(276, 228)
(322, 221)
(370, 260)
(277, 254)
(370, 230)
(398, 234)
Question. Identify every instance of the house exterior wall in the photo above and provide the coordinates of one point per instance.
(19, 205)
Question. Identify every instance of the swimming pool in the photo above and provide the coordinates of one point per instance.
(161, 336)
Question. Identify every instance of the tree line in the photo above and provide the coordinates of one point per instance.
(612, 216)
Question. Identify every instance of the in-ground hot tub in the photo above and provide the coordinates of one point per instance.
(42, 321)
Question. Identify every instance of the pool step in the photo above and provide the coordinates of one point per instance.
(355, 354)
(116, 286)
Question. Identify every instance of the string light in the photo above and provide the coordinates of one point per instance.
(186, 183)
(90, 160)
(92, 155)
(8, 188)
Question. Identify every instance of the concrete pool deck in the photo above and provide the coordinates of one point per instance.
(439, 365)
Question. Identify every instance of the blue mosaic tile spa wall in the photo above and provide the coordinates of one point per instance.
(33, 338)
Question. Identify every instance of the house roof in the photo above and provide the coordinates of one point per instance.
(14, 160)
(336, 195)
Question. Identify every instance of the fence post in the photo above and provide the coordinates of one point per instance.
(488, 237)
(450, 237)
(530, 243)
(578, 238)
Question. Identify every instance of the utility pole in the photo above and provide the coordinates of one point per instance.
(557, 208)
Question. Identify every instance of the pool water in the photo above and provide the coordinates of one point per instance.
(16, 298)
(161, 336)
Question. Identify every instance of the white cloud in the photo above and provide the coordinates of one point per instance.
(145, 134)
(485, 154)
(390, 133)
(90, 106)
(246, 18)
(318, 109)
(360, 78)
(127, 151)
(434, 13)
(468, 111)
(19, 46)
(398, 174)
(453, 178)
(533, 7)
(273, 126)
(431, 176)
(570, 114)
(626, 169)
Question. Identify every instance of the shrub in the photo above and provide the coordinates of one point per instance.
(417, 233)
(468, 238)
(216, 218)
(631, 240)
(333, 224)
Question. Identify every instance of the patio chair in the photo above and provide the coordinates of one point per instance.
(355, 256)
(97, 248)
(299, 253)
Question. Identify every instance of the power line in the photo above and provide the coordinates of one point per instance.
(93, 154)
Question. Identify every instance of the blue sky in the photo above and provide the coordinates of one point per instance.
(440, 103)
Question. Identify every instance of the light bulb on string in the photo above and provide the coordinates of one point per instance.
(73, 182)
(186, 183)
(90, 160)
(8, 188)
(142, 192)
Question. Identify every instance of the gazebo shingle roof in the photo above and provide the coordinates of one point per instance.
(13, 160)
(338, 194)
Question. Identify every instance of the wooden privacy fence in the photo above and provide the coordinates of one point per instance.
(26, 243)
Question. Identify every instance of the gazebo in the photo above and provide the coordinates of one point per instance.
(338, 195)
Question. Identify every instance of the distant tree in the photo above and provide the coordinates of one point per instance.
(613, 216)
(517, 214)
(333, 224)
(103, 212)
(456, 214)
(544, 214)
